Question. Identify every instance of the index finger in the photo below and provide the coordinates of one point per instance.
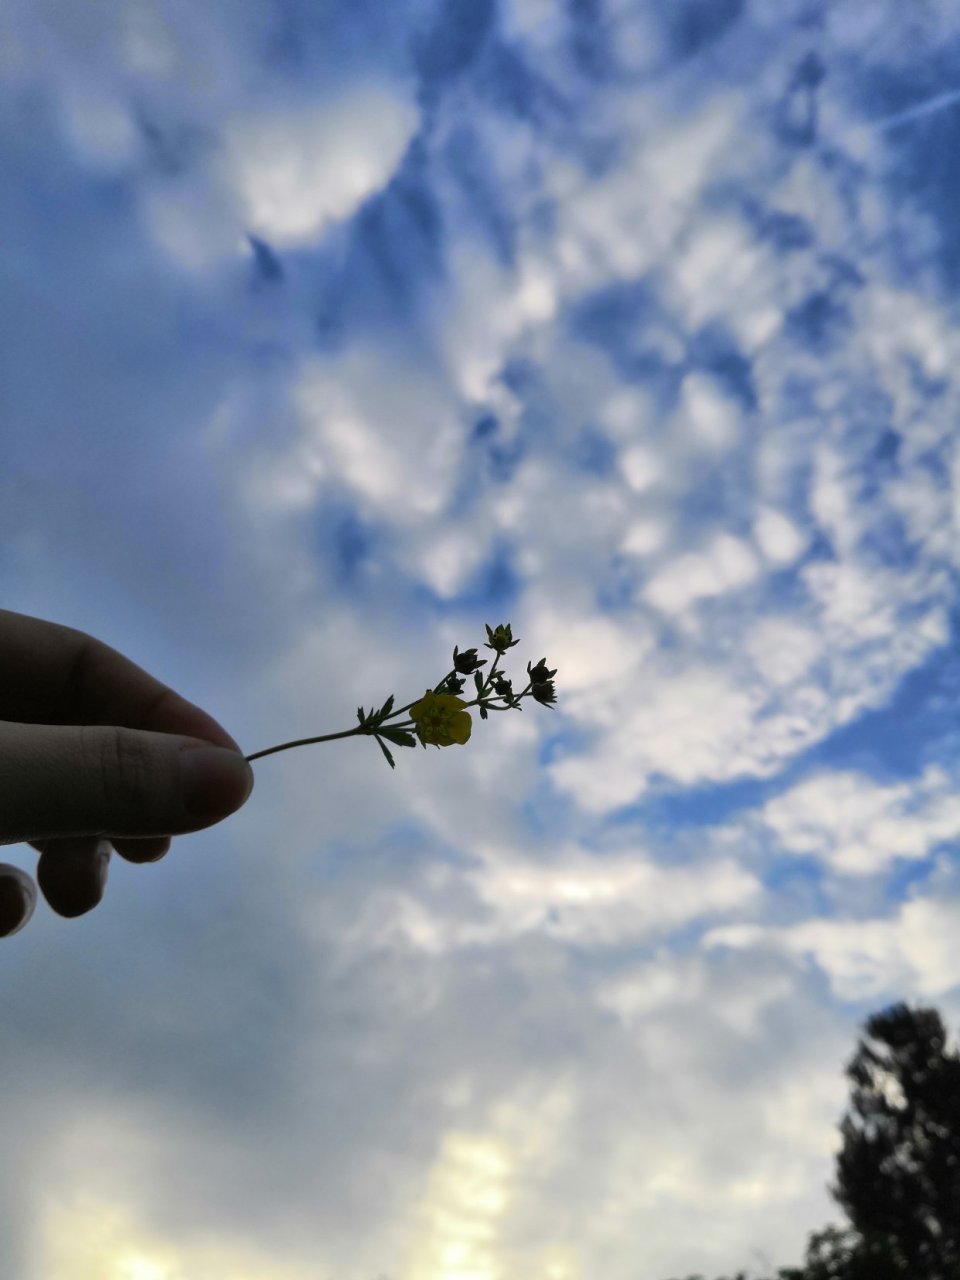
(52, 674)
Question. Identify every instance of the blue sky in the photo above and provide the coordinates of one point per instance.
(331, 332)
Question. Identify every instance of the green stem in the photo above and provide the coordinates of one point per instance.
(305, 742)
(370, 731)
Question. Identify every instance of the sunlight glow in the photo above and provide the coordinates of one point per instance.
(467, 1195)
(89, 1238)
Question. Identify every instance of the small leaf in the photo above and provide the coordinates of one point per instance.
(399, 737)
(360, 715)
(478, 682)
(385, 751)
(483, 713)
(385, 709)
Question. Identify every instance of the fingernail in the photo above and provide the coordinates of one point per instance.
(213, 781)
(18, 897)
(104, 850)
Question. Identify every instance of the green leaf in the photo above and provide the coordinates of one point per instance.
(385, 709)
(385, 751)
(483, 713)
(360, 715)
(478, 682)
(399, 737)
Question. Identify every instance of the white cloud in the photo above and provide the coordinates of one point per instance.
(833, 500)
(710, 416)
(930, 510)
(910, 955)
(727, 564)
(627, 221)
(387, 432)
(782, 649)
(857, 826)
(779, 539)
(640, 467)
(903, 328)
(643, 538)
(590, 650)
(605, 901)
(667, 982)
(297, 169)
(447, 561)
(718, 261)
(857, 606)
(693, 726)
(574, 898)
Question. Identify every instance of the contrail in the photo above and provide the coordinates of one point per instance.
(922, 109)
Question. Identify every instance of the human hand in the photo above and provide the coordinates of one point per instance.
(94, 753)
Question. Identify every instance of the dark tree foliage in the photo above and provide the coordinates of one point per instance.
(898, 1170)
(741, 1275)
(842, 1254)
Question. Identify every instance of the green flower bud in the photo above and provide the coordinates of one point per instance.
(502, 639)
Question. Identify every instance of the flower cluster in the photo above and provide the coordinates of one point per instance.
(441, 717)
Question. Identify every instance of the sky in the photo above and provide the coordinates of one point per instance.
(331, 332)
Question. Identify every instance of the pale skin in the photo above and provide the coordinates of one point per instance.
(91, 747)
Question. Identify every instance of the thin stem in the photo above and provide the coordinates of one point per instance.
(370, 731)
(305, 742)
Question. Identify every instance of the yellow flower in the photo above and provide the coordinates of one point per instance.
(440, 719)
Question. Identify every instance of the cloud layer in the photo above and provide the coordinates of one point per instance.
(329, 335)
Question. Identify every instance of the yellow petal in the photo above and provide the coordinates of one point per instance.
(461, 728)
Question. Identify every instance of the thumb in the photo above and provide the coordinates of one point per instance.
(76, 780)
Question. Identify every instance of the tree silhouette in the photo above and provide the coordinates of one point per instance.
(741, 1275)
(840, 1253)
(898, 1170)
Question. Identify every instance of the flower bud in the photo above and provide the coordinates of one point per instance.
(502, 639)
(544, 693)
(539, 674)
(467, 662)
